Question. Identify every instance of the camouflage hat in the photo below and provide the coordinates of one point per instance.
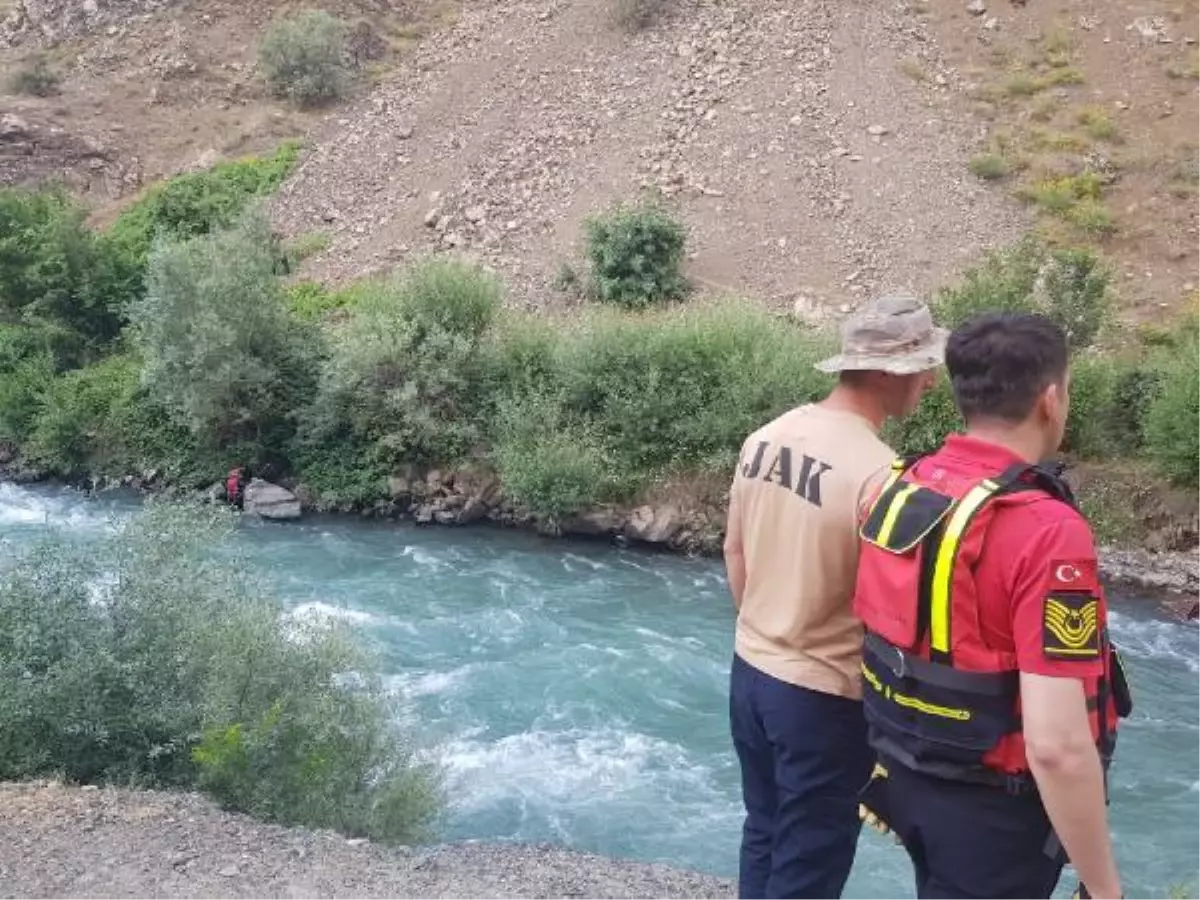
(893, 334)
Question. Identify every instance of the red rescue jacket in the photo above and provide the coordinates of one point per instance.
(233, 484)
(938, 698)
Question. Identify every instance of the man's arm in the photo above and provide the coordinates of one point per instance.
(735, 558)
(1066, 766)
(1055, 592)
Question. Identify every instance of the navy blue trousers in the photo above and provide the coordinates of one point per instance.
(969, 840)
(804, 757)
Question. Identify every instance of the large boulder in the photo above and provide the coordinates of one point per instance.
(270, 501)
(654, 526)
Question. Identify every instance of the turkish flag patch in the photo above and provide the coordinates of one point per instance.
(1073, 575)
(1071, 626)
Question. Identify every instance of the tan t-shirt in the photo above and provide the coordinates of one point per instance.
(794, 505)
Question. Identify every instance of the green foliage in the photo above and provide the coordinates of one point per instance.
(222, 351)
(151, 656)
(36, 79)
(406, 374)
(197, 203)
(1071, 286)
(924, 430)
(1110, 398)
(75, 423)
(550, 466)
(55, 271)
(635, 254)
(314, 302)
(304, 58)
(729, 367)
(26, 370)
(592, 414)
(1173, 420)
(989, 166)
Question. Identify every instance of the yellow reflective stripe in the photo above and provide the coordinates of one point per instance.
(943, 569)
(872, 678)
(930, 709)
(946, 712)
(893, 513)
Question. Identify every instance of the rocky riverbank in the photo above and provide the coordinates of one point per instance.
(58, 841)
(687, 520)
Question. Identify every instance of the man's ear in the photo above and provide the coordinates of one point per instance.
(1051, 401)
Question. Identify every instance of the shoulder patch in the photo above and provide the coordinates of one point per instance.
(1071, 626)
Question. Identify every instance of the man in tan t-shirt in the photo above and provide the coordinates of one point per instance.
(791, 551)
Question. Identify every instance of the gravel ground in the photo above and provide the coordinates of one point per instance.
(58, 841)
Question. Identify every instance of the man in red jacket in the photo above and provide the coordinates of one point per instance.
(991, 689)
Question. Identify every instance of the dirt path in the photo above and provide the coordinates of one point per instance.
(83, 842)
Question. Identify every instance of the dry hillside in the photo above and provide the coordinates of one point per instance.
(817, 150)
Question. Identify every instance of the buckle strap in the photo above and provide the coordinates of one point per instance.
(903, 664)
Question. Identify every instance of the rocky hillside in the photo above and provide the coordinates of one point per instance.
(806, 168)
(818, 151)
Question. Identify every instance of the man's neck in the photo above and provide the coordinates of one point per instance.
(1019, 439)
(865, 404)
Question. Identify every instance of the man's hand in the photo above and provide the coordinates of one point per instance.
(1066, 765)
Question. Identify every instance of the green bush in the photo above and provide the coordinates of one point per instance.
(74, 426)
(406, 375)
(222, 351)
(1069, 286)
(1173, 420)
(590, 415)
(683, 388)
(635, 253)
(550, 466)
(1110, 398)
(152, 656)
(929, 424)
(55, 271)
(36, 79)
(197, 203)
(304, 58)
(26, 372)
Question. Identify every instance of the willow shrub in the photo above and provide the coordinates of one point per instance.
(221, 349)
(152, 656)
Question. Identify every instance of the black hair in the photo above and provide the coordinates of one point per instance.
(999, 363)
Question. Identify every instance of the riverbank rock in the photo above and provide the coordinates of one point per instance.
(270, 501)
(654, 526)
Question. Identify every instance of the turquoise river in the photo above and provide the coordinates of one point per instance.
(577, 693)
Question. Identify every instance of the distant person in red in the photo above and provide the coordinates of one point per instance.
(235, 485)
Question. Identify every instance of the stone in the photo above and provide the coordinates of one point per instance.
(877, 130)
(270, 501)
(596, 523)
(473, 510)
(229, 872)
(653, 526)
(216, 493)
(476, 214)
(432, 217)
(405, 132)
(977, 7)
(12, 127)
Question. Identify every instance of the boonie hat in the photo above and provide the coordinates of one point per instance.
(893, 334)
